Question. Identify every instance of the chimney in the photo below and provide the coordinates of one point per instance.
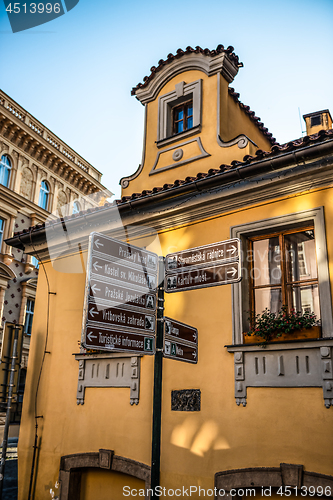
(319, 120)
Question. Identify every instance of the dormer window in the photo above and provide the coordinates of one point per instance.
(179, 113)
(182, 117)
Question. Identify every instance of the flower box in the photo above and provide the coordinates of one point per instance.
(305, 333)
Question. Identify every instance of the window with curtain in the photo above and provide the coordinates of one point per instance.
(283, 272)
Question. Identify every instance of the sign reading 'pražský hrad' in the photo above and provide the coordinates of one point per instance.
(120, 299)
(210, 265)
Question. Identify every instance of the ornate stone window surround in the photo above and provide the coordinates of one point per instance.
(297, 363)
(6, 169)
(7, 228)
(182, 93)
(240, 290)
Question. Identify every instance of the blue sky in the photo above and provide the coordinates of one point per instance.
(75, 73)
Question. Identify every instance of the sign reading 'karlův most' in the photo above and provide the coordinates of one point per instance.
(120, 302)
(210, 265)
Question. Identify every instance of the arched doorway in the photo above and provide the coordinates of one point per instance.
(82, 473)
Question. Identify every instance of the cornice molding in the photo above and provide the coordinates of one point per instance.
(210, 65)
(36, 134)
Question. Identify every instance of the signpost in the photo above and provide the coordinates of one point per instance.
(122, 293)
(200, 267)
(120, 299)
(180, 341)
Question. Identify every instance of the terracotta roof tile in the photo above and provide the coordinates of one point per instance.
(252, 115)
(275, 151)
(189, 50)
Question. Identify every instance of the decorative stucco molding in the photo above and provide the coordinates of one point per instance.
(211, 65)
(108, 370)
(306, 363)
(178, 163)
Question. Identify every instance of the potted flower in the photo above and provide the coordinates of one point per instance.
(283, 325)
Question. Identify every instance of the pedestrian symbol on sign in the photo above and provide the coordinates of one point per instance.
(173, 350)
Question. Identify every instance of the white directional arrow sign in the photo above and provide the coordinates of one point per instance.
(232, 271)
(98, 244)
(232, 250)
(93, 312)
(91, 336)
(95, 288)
(96, 266)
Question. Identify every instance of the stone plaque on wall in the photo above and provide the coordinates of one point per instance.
(186, 400)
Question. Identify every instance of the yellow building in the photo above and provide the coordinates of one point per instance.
(246, 419)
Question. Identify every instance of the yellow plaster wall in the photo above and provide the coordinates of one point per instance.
(233, 122)
(277, 425)
(105, 485)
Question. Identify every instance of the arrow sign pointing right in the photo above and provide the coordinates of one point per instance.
(232, 271)
(232, 249)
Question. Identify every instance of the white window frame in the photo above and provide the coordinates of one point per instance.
(44, 194)
(76, 207)
(240, 291)
(2, 228)
(29, 315)
(5, 167)
(182, 93)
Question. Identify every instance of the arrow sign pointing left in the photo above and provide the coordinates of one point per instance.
(95, 289)
(91, 336)
(98, 244)
(92, 312)
(96, 266)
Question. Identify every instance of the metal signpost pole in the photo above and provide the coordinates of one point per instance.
(10, 395)
(157, 397)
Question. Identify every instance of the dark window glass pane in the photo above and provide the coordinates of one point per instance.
(267, 297)
(179, 114)
(190, 111)
(190, 122)
(266, 262)
(179, 127)
(301, 256)
(315, 120)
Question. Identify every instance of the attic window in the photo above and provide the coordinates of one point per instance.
(182, 117)
(315, 120)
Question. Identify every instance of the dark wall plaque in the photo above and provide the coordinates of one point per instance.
(186, 400)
